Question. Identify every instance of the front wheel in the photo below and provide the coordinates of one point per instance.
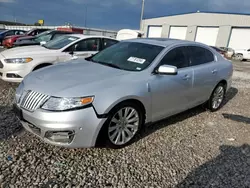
(123, 124)
(217, 98)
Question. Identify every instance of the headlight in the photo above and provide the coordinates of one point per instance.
(62, 104)
(18, 60)
(19, 91)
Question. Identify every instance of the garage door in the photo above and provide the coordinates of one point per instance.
(239, 39)
(207, 35)
(178, 32)
(154, 31)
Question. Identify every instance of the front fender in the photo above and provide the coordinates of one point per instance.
(107, 100)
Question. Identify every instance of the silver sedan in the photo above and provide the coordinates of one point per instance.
(110, 96)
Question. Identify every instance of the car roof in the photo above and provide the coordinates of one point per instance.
(161, 41)
(82, 36)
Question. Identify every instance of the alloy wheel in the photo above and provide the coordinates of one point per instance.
(123, 126)
(218, 97)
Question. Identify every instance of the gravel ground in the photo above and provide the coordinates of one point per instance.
(193, 149)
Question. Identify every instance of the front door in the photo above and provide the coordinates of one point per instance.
(171, 93)
(87, 47)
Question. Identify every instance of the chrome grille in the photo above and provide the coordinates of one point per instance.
(32, 100)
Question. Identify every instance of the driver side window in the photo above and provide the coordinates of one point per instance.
(176, 57)
(92, 44)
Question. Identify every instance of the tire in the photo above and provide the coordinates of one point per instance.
(111, 128)
(239, 57)
(217, 97)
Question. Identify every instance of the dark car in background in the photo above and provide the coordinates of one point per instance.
(229, 51)
(221, 51)
(10, 40)
(41, 38)
(10, 32)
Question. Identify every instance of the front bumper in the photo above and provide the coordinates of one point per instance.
(83, 123)
(13, 72)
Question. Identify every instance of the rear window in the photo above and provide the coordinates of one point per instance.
(199, 55)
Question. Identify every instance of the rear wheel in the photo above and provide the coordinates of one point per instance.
(217, 98)
(123, 124)
(239, 57)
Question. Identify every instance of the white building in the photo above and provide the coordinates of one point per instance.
(215, 29)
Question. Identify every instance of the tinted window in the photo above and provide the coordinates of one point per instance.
(176, 57)
(9, 33)
(108, 42)
(199, 55)
(88, 45)
(19, 32)
(131, 56)
(60, 42)
(57, 35)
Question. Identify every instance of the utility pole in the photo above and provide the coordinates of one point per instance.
(142, 13)
(85, 17)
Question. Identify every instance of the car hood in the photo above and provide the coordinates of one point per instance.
(25, 51)
(74, 79)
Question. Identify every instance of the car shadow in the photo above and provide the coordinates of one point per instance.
(151, 128)
(230, 169)
(238, 118)
(9, 124)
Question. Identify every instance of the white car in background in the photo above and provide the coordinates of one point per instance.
(242, 54)
(16, 63)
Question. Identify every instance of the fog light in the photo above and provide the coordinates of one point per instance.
(60, 136)
(10, 75)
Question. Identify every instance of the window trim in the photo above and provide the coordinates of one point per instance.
(65, 50)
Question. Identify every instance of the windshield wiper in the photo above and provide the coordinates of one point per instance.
(107, 64)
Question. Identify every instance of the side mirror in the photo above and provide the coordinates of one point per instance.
(167, 69)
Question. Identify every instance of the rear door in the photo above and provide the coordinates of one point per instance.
(204, 65)
(87, 47)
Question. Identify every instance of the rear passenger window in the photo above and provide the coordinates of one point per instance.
(176, 57)
(108, 42)
(199, 55)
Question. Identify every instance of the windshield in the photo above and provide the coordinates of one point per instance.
(44, 36)
(131, 56)
(2, 31)
(60, 42)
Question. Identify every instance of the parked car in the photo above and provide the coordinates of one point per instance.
(219, 50)
(125, 34)
(9, 40)
(41, 38)
(10, 32)
(242, 55)
(16, 63)
(109, 97)
(229, 51)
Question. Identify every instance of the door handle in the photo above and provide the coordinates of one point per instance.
(214, 71)
(186, 77)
